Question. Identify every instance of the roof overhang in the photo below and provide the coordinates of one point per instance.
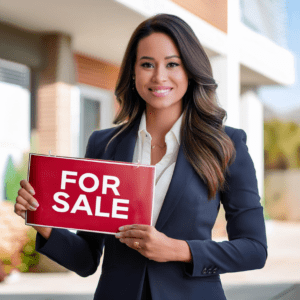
(262, 61)
(99, 28)
(102, 28)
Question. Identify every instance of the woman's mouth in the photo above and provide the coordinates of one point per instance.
(160, 92)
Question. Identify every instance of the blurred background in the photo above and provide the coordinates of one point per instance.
(59, 62)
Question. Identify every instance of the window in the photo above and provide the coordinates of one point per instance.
(93, 110)
(89, 120)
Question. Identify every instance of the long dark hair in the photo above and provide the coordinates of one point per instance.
(206, 146)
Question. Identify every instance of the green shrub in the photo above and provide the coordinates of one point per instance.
(30, 258)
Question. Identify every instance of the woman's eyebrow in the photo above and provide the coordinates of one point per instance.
(167, 57)
(147, 57)
(172, 56)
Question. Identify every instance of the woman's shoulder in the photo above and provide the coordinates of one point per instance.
(239, 139)
(235, 134)
(98, 141)
(243, 160)
(105, 134)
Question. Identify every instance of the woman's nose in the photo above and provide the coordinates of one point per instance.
(160, 74)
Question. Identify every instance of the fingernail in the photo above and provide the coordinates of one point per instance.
(121, 228)
(23, 215)
(32, 192)
(32, 208)
(118, 234)
(35, 204)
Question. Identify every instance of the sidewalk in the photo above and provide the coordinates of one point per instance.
(281, 272)
(283, 263)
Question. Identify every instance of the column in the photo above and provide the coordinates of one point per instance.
(54, 96)
(252, 122)
(226, 69)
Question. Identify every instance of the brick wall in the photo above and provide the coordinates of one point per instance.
(213, 12)
(96, 72)
(54, 118)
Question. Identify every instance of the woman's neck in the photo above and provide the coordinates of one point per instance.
(159, 123)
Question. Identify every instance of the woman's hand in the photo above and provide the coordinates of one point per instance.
(154, 244)
(25, 201)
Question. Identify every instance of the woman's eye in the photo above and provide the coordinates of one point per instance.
(147, 65)
(172, 65)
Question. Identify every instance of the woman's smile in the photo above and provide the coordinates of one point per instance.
(160, 91)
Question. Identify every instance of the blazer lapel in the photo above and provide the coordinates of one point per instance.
(125, 147)
(182, 175)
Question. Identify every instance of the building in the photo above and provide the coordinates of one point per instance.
(59, 62)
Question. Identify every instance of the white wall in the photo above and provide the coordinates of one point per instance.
(227, 76)
(253, 123)
(15, 126)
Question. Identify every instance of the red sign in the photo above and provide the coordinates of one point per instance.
(90, 194)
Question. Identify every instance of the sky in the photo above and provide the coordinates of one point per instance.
(286, 99)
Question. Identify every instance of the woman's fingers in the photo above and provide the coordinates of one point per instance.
(136, 244)
(27, 186)
(26, 196)
(26, 204)
(135, 226)
(148, 241)
(131, 234)
(25, 200)
(20, 210)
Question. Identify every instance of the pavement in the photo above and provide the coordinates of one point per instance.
(279, 279)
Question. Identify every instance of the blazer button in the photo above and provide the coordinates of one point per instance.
(204, 271)
(215, 270)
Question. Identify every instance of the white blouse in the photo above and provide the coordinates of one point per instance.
(164, 168)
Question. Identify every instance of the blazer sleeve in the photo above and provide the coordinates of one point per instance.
(246, 248)
(78, 252)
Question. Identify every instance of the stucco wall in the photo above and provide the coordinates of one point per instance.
(282, 194)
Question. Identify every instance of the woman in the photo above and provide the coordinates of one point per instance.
(167, 95)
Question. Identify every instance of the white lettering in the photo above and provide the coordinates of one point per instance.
(64, 178)
(60, 201)
(91, 189)
(116, 208)
(113, 186)
(98, 213)
(85, 207)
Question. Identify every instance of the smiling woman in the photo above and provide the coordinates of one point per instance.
(191, 94)
(169, 118)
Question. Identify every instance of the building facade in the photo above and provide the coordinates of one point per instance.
(59, 63)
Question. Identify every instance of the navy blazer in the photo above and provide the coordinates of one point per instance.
(186, 214)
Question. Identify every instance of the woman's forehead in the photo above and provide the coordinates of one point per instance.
(157, 44)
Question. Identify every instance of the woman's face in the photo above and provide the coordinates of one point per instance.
(160, 77)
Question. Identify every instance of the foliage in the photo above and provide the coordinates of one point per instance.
(27, 259)
(30, 258)
(282, 145)
(15, 173)
(13, 176)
